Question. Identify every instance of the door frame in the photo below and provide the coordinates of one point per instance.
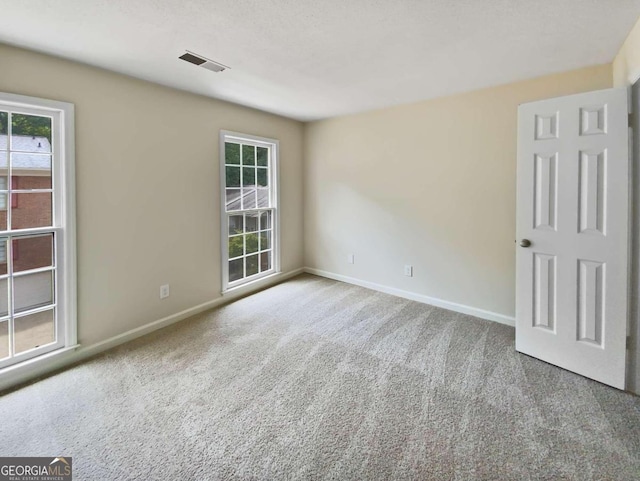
(633, 324)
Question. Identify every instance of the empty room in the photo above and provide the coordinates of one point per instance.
(394, 240)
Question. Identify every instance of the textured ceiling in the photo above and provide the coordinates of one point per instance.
(311, 59)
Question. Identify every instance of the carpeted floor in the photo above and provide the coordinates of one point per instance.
(315, 379)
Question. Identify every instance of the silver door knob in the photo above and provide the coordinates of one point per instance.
(525, 243)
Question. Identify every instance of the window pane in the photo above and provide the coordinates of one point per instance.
(265, 261)
(251, 222)
(235, 269)
(30, 171)
(249, 198)
(263, 177)
(252, 265)
(262, 194)
(32, 252)
(236, 248)
(3, 256)
(265, 240)
(4, 129)
(251, 243)
(231, 153)
(265, 220)
(263, 156)
(232, 176)
(30, 210)
(235, 224)
(248, 176)
(32, 290)
(3, 209)
(4, 171)
(248, 155)
(4, 118)
(233, 200)
(34, 330)
(30, 133)
(4, 297)
(4, 339)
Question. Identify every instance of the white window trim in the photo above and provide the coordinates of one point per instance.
(274, 145)
(64, 220)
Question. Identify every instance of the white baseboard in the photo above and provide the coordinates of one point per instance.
(452, 306)
(42, 365)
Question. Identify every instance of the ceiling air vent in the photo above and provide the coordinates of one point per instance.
(203, 62)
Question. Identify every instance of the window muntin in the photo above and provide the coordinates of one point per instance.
(37, 255)
(249, 208)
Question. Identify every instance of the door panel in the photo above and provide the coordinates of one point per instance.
(546, 190)
(544, 309)
(573, 174)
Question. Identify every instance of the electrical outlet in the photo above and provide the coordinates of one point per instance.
(408, 271)
(164, 291)
(351, 259)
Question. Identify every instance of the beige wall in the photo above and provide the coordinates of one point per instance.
(626, 66)
(430, 184)
(148, 188)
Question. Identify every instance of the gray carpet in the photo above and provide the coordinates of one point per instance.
(315, 379)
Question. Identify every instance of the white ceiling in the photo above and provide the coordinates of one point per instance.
(311, 59)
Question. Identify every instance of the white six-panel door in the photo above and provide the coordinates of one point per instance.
(572, 208)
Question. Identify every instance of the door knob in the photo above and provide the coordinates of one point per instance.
(525, 243)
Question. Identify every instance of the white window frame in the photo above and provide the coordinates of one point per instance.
(63, 221)
(273, 145)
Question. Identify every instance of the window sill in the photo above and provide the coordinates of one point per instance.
(251, 285)
(34, 367)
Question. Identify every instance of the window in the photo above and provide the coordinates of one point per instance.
(249, 208)
(37, 228)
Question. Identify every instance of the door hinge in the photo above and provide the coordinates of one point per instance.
(628, 343)
(630, 120)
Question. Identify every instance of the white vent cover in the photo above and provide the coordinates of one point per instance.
(203, 62)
